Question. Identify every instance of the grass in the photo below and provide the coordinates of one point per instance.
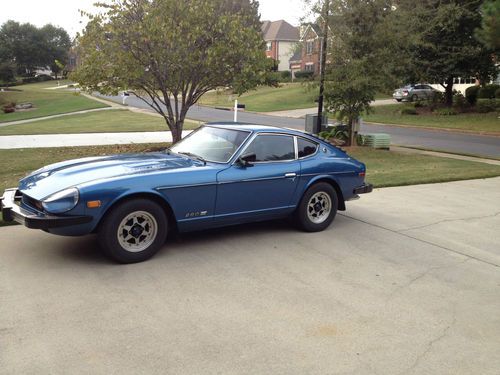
(476, 122)
(266, 99)
(115, 120)
(389, 168)
(46, 102)
(385, 168)
(288, 96)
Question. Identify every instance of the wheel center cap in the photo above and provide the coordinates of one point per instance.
(136, 231)
(317, 207)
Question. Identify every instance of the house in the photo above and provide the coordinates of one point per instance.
(311, 40)
(281, 41)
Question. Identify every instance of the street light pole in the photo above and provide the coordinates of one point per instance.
(326, 12)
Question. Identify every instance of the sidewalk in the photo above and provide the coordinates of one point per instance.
(300, 113)
(83, 139)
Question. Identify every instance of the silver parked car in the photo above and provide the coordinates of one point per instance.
(412, 93)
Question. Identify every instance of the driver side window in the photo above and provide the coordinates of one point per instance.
(272, 148)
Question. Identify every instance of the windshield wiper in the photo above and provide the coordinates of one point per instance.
(197, 157)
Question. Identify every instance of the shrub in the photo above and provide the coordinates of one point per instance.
(39, 78)
(471, 94)
(497, 93)
(487, 91)
(487, 105)
(460, 102)
(273, 79)
(9, 107)
(446, 112)
(304, 74)
(408, 111)
(286, 75)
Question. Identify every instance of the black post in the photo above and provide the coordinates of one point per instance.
(326, 9)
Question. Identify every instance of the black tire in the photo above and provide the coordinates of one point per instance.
(414, 98)
(301, 214)
(398, 100)
(148, 225)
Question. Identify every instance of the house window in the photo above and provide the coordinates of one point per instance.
(309, 47)
(72, 61)
(309, 68)
(269, 46)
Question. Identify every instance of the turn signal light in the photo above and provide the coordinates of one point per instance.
(94, 204)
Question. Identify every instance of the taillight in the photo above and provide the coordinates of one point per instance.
(362, 174)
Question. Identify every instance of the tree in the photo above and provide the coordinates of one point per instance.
(56, 45)
(30, 48)
(6, 72)
(489, 32)
(22, 45)
(356, 64)
(169, 53)
(443, 46)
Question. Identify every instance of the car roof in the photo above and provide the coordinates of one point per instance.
(255, 128)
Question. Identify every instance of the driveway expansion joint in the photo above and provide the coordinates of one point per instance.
(448, 221)
(424, 241)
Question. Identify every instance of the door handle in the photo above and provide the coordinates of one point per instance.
(290, 174)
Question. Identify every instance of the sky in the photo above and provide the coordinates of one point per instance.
(65, 13)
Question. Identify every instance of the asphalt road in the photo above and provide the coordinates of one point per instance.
(437, 140)
(407, 281)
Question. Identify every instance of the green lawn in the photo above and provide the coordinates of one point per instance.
(390, 168)
(266, 99)
(385, 168)
(478, 122)
(46, 102)
(115, 120)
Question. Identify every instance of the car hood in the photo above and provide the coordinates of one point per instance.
(56, 177)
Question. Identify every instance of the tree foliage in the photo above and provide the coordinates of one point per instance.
(442, 45)
(489, 32)
(169, 52)
(356, 63)
(30, 48)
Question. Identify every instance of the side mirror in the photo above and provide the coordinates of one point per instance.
(246, 160)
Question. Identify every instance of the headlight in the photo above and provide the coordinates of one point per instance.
(61, 201)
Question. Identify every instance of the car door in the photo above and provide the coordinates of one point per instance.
(263, 189)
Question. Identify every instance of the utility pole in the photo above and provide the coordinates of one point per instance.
(325, 14)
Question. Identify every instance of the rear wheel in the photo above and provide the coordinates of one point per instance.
(414, 98)
(133, 231)
(317, 208)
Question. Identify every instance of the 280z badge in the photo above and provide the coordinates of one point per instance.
(196, 214)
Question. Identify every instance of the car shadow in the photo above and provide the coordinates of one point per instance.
(86, 249)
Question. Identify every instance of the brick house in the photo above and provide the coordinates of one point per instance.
(281, 41)
(311, 48)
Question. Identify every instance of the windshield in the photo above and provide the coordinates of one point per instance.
(212, 144)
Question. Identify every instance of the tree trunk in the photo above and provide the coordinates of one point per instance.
(351, 141)
(177, 131)
(449, 92)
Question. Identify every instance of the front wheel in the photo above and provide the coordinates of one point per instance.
(133, 231)
(317, 208)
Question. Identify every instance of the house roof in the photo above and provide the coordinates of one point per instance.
(311, 26)
(280, 30)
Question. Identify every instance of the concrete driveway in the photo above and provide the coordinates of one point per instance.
(407, 281)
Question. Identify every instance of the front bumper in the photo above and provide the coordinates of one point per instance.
(363, 189)
(12, 211)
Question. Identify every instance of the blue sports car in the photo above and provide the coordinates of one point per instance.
(221, 174)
